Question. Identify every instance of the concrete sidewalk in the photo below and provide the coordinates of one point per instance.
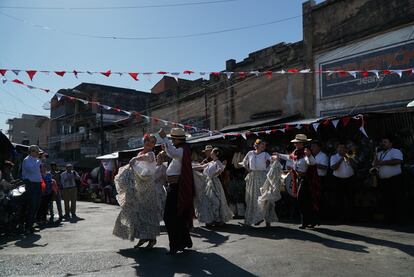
(87, 247)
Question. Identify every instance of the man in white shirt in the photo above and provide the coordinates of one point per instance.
(179, 206)
(389, 162)
(343, 174)
(69, 190)
(322, 165)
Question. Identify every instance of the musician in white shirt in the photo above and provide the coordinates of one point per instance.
(322, 165)
(343, 174)
(389, 162)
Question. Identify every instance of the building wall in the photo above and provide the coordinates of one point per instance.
(341, 95)
(335, 27)
(25, 129)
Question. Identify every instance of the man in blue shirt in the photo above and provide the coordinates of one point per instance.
(32, 178)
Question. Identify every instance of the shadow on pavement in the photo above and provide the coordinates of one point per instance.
(75, 219)
(29, 241)
(280, 232)
(210, 235)
(155, 262)
(409, 249)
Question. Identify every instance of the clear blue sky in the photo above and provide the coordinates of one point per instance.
(26, 47)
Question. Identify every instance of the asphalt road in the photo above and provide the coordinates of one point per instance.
(87, 247)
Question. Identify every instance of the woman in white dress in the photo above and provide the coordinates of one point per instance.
(213, 209)
(137, 196)
(160, 180)
(256, 163)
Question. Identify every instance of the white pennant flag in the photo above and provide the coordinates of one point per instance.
(353, 73)
(84, 101)
(4, 81)
(268, 132)
(255, 73)
(256, 133)
(181, 125)
(210, 133)
(228, 74)
(106, 107)
(282, 130)
(362, 129)
(298, 126)
(244, 136)
(90, 73)
(165, 122)
(376, 72)
(315, 126)
(202, 73)
(126, 112)
(335, 122)
(399, 72)
(305, 71)
(59, 96)
(16, 72)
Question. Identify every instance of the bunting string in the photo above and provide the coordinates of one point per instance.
(135, 75)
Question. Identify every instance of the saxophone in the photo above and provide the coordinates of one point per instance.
(374, 171)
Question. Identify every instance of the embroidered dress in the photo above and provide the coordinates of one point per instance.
(213, 206)
(137, 196)
(270, 192)
(160, 180)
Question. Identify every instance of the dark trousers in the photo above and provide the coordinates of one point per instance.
(308, 212)
(34, 194)
(44, 206)
(390, 197)
(345, 195)
(178, 232)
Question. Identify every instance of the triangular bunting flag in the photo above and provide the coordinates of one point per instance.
(105, 107)
(3, 71)
(90, 73)
(353, 73)
(84, 101)
(31, 74)
(376, 72)
(255, 73)
(60, 73)
(268, 132)
(4, 81)
(18, 82)
(282, 130)
(107, 74)
(345, 121)
(229, 74)
(244, 136)
(362, 129)
(16, 72)
(268, 74)
(58, 96)
(31, 87)
(315, 126)
(398, 72)
(335, 122)
(305, 70)
(126, 112)
(188, 72)
(75, 73)
(134, 75)
(162, 72)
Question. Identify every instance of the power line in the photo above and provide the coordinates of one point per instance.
(46, 28)
(171, 5)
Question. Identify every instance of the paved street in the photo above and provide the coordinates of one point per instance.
(87, 247)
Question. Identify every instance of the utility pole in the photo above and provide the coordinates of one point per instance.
(206, 125)
(102, 132)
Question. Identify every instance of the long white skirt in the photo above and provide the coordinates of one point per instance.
(213, 206)
(139, 216)
(254, 181)
(270, 192)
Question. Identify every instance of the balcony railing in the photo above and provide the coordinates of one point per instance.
(75, 137)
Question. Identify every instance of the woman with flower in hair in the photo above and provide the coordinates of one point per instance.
(256, 162)
(137, 196)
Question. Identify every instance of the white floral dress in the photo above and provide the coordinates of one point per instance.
(213, 206)
(270, 192)
(137, 196)
(160, 180)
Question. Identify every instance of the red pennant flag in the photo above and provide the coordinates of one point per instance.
(345, 121)
(365, 73)
(162, 72)
(60, 73)
(46, 90)
(137, 116)
(188, 72)
(293, 71)
(134, 75)
(31, 74)
(386, 72)
(216, 73)
(242, 74)
(75, 73)
(268, 74)
(18, 82)
(326, 122)
(3, 71)
(187, 126)
(71, 98)
(287, 127)
(117, 109)
(107, 74)
(343, 74)
(174, 125)
(155, 120)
